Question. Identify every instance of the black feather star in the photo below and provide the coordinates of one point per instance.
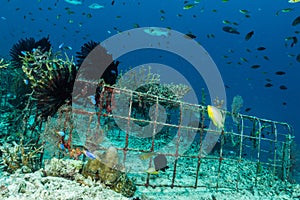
(110, 73)
(19, 49)
(51, 80)
(85, 50)
(55, 89)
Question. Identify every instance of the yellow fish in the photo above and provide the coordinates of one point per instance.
(152, 170)
(294, 1)
(145, 156)
(216, 116)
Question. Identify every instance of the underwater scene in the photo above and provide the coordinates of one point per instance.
(149, 100)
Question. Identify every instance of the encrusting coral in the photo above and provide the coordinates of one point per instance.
(105, 168)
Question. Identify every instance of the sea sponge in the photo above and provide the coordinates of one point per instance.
(110, 157)
(236, 106)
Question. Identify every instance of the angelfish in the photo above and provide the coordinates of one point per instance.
(216, 116)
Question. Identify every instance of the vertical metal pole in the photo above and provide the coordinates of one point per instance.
(177, 146)
(220, 158)
(258, 164)
(128, 127)
(241, 152)
(275, 148)
(153, 136)
(200, 149)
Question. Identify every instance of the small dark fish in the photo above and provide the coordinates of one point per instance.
(283, 87)
(280, 73)
(261, 48)
(160, 163)
(226, 21)
(298, 58)
(296, 21)
(249, 35)
(268, 85)
(247, 109)
(230, 29)
(244, 11)
(189, 36)
(112, 3)
(211, 35)
(266, 57)
(269, 80)
(294, 40)
(284, 103)
(255, 66)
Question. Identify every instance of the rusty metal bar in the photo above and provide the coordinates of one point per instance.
(200, 149)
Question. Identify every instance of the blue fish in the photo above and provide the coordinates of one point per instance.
(61, 146)
(60, 133)
(89, 154)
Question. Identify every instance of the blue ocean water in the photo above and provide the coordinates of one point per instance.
(74, 25)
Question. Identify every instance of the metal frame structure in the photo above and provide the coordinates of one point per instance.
(265, 144)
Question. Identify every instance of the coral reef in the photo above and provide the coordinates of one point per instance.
(20, 156)
(38, 186)
(65, 168)
(51, 80)
(3, 63)
(108, 170)
(237, 104)
(28, 45)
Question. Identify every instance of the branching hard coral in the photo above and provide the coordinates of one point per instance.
(219, 103)
(17, 156)
(3, 63)
(18, 52)
(179, 90)
(143, 80)
(137, 78)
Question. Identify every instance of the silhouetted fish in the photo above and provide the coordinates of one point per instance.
(298, 58)
(160, 163)
(249, 35)
(268, 85)
(283, 87)
(190, 36)
(261, 48)
(296, 21)
(280, 73)
(230, 29)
